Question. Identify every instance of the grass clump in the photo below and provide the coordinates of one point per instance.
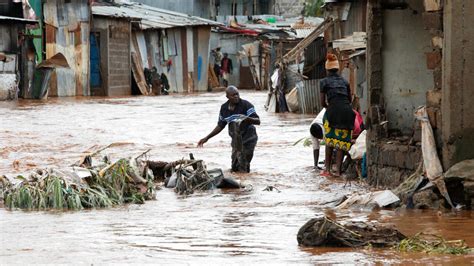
(433, 244)
(124, 181)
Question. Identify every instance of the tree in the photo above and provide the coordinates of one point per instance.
(313, 8)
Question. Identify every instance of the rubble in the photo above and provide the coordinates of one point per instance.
(379, 199)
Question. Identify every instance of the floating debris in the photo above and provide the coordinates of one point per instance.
(124, 181)
(433, 244)
(324, 231)
(306, 142)
(271, 188)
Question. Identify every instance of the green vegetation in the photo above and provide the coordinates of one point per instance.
(307, 142)
(433, 244)
(313, 8)
(113, 185)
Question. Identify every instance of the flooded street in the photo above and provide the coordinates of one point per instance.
(209, 227)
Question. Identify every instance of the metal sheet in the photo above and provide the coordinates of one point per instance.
(308, 96)
(67, 32)
(8, 87)
(150, 17)
(18, 20)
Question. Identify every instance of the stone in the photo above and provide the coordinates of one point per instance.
(463, 170)
(438, 77)
(433, 5)
(425, 199)
(431, 111)
(437, 42)
(433, 20)
(433, 59)
(433, 98)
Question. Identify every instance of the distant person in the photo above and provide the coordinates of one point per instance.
(165, 85)
(317, 134)
(217, 61)
(339, 117)
(226, 69)
(155, 81)
(241, 117)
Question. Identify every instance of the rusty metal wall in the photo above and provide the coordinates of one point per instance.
(308, 96)
(356, 21)
(315, 56)
(67, 32)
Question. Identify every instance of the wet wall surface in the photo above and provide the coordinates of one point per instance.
(220, 226)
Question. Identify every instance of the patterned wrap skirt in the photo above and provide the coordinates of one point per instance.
(335, 137)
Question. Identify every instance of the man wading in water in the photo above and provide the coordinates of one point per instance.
(241, 117)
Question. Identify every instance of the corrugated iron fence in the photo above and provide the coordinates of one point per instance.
(308, 96)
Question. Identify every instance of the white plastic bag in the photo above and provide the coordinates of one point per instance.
(358, 149)
(292, 100)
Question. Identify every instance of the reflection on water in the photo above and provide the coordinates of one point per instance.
(212, 227)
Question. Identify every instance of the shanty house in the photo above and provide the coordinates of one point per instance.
(416, 53)
(67, 32)
(175, 44)
(17, 57)
(110, 73)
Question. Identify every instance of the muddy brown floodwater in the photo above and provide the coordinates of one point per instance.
(213, 227)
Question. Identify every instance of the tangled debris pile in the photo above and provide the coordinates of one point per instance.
(187, 176)
(433, 244)
(105, 185)
(323, 231)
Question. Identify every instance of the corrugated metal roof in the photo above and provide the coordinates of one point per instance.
(303, 33)
(150, 17)
(22, 20)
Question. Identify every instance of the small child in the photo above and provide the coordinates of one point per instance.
(317, 134)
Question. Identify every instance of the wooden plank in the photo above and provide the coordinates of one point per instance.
(137, 70)
(253, 70)
(187, 78)
(293, 53)
(137, 67)
(213, 81)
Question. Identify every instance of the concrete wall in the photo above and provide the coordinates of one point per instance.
(406, 78)
(119, 62)
(6, 43)
(115, 65)
(458, 82)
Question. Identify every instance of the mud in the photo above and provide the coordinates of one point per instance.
(219, 226)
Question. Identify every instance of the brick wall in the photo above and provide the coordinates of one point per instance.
(119, 59)
(392, 162)
(389, 160)
(433, 22)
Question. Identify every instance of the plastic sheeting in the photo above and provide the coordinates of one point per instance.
(431, 162)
